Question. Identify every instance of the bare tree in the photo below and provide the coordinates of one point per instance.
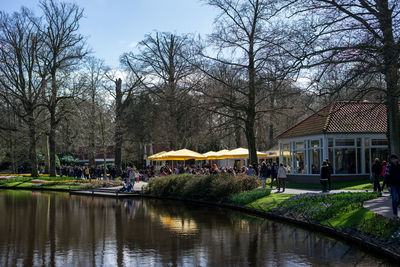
(20, 85)
(163, 61)
(121, 94)
(95, 72)
(359, 36)
(63, 50)
(246, 44)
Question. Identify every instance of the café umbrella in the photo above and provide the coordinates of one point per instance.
(183, 154)
(156, 156)
(240, 153)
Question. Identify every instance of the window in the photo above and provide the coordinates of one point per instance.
(345, 161)
(300, 162)
(315, 160)
(379, 142)
(330, 142)
(286, 160)
(285, 146)
(379, 153)
(300, 145)
(344, 142)
(314, 143)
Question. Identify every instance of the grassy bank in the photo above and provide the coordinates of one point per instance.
(46, 182)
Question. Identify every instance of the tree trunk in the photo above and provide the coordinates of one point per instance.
(32, 147)
(271, 123)
(251, 109)
(391, 67)
(92, 143)
(118, 138)
(46, 154)
(52, 143)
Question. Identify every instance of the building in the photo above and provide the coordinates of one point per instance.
(154, 148)
(99, 155)
(350, 135)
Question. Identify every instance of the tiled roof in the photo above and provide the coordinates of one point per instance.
(341, 117)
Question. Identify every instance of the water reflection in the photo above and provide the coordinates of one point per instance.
(52, 229)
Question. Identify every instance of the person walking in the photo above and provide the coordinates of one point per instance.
(264, 173)
(274, 173)
(324, 176)
(393, 181)
(281, 181)
(330, 171)
(377, 170)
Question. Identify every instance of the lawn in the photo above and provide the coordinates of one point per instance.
(364, 184)
(269, 202)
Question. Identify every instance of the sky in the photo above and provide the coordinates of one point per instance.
(116, 26)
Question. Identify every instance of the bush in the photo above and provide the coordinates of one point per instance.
(201, 187)
(244, 198)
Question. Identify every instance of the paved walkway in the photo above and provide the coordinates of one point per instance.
(382, 205)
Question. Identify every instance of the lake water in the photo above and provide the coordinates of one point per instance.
(55, 229)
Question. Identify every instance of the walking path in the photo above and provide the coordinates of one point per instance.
(382, 205)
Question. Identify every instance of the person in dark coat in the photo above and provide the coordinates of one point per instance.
(324, 176)
(393, 181)
(377, 170)
(330, 171)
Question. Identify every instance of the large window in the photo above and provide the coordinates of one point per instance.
(315, 160)
(345, 161)
(285, 155)
(300, 162)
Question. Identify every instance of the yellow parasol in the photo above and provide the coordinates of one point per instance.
(183, 154)
(155, 156)
(239, 153)
(209, 155)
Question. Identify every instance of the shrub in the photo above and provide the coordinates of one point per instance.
(202, 187)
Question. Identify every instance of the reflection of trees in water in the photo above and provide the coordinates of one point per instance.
(46, 229)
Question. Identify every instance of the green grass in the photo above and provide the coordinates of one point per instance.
(270, 202)
(351, 219)
(363, 184)
(249, 196)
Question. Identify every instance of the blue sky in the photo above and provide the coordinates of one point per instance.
(115, 26)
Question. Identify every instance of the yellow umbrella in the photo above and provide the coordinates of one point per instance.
(221, 153)
(210, 155)
(155, 156)
(183, 154)
(239, 153)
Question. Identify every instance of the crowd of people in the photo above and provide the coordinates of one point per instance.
(86, 172)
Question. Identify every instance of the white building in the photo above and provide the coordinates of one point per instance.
(350, 135)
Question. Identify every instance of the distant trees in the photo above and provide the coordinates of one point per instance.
(63, 49)
(22, 82)
(163, 62)
(252, 67)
